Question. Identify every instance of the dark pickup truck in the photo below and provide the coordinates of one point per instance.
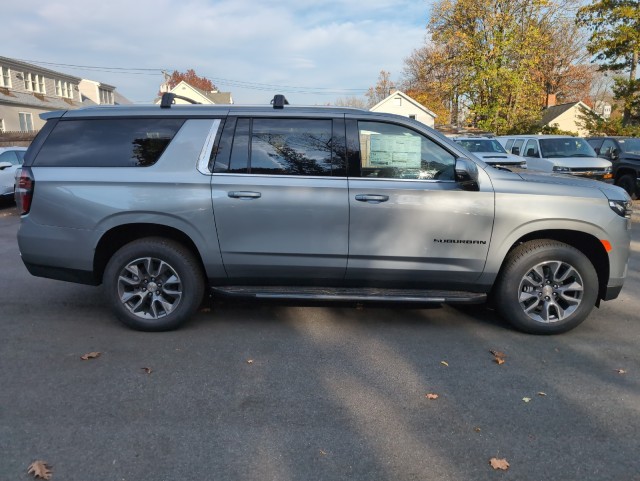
(624, 154)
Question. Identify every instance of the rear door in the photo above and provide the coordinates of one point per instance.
(279, 192)
(411, 222)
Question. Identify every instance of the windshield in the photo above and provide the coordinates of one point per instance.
(566, 147)
(630, 145)
(482, 145)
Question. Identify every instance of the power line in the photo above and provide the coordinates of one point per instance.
(222, 81)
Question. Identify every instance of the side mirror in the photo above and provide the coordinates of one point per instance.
(515, 151)
(4, 165)
(466, 175)
(615, 153)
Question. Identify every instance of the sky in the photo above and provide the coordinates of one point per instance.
(310, 50)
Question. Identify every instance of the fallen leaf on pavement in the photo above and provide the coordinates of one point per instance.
(620, 371)
(526, 399)
(444, 363)
(431, 396)
(40, 469)
(499, 356)
(249, 361)
(147, 370)
(542, 393)
(476, 429)
(499, 463)
(90, 355)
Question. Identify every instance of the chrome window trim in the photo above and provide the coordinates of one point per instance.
(205, 153)
(378, 179)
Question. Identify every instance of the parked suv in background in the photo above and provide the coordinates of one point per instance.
(160, 203)
(560, 154)
(624, 154)
(491, 151)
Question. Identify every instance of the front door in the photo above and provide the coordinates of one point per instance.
(411, 223)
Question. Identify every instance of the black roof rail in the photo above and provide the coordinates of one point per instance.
(168, 98)
(279, 101)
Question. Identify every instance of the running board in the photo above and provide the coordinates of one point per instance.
(352, 294)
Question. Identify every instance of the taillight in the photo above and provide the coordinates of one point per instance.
(24, 189)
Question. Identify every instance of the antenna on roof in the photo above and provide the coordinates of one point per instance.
(279, 101)
(168, 98)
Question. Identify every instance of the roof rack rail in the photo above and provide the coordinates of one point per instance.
(279, 101)
(168, 98)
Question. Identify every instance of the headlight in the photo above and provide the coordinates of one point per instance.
(559, 168)
(621, 207)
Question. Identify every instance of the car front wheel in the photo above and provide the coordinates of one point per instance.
(546, 287)
(154, 284)
(628, 183)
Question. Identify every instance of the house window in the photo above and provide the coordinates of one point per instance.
(398, 101)
(26, 121)
(1, 125)
(106, 97)
(34, 82)
(412, 116)
(64, 89)
(5, 77)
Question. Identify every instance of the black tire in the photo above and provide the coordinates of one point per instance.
(628, 183)
(546, 287)
(154, 284)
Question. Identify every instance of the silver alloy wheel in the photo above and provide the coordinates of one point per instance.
(551, 291)
(149, 288)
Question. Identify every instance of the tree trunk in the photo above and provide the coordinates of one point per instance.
(626, 115)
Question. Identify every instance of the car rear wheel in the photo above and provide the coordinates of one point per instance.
(546, 287)
(154, 284)
(628, 183)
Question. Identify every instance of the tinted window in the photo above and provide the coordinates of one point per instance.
(394, 152)
(531, 149)
(630, 145)
(508, 145)
(608, 146)
(291, 147)
(595, 144)
(517, 145)
(107, 142)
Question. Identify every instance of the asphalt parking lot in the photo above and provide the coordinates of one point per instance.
(272, 391)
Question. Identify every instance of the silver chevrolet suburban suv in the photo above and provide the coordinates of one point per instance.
(161, 204)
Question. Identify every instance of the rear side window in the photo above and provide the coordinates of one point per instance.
(107, 142)
(517, 147)
(301, 147)
(291, 147)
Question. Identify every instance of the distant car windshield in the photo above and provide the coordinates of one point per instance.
(481, 145)
(566, 147)
(630, 145)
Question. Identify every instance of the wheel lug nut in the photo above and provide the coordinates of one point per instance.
(546, 298)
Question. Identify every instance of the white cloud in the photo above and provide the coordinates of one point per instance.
(304, 43)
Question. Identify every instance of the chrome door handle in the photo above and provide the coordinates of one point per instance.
(372, 198)
(244, 195)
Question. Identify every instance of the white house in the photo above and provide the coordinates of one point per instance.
(198, 95)
(567, 117)
(400, 103)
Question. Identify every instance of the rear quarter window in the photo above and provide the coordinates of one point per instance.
(107, 142)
